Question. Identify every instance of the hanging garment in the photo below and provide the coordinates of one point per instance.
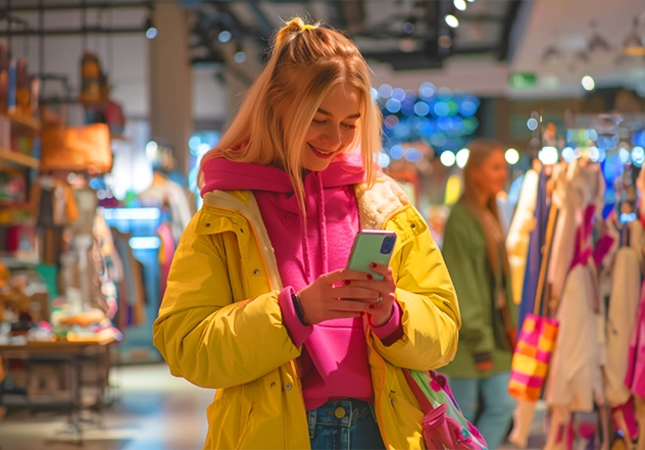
(132, 296)
(519, 234)
(577, 187)
(623, 308)
(575, 377)
(166, 252)
(164, 191)
(635, 377)
(536, 243)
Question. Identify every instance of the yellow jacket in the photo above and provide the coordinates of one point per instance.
(220, 324)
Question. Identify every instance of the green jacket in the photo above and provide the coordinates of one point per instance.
(482, 330)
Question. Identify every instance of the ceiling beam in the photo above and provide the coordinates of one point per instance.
(509, 21)
(74, 31)
(80, 6)
(266, 29)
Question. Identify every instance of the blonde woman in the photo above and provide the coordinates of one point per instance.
(303, 353)
(475, 253)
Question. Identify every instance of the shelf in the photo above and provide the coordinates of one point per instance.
(24, 124)
(12, 262)
(18, 159)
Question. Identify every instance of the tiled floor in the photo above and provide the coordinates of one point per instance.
(155, 412)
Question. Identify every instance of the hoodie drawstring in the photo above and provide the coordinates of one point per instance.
(323, 223)
(322, 230)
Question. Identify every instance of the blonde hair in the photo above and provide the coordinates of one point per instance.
(306, 62)
(480, 151)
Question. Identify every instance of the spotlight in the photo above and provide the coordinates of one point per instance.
(512, 156)
(460, 5)
(224, 36)
(448, 158)
(452, 21)
(151, 30)
(445, 41)
(462, 157)
(588, 83)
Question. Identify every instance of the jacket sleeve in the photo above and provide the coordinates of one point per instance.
(427, 298)
(473, 301)
(203, 335)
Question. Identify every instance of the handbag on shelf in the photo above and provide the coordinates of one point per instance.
(444, 426)
(84, 148)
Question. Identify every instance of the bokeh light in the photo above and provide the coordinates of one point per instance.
(448, 158)
(512, 156)
(385, 91)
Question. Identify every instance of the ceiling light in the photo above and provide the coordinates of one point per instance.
(512, 156)
(445, 41)
(548, 155)
(239, 57)
(448, 158)
(633, 44)
(588, 83)
(597, 43)
(462, 157)
(452, 21)
(460, 5)
(224, 36)
(408, 27)
(151, 30)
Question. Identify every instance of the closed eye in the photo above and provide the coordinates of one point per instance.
(349, 127)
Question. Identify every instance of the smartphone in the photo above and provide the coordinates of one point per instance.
(371, 246)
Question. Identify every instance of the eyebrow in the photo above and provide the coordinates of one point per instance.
(327, 113)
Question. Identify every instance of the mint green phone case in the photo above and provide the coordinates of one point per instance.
(371, 246)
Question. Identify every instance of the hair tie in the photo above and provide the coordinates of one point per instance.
(307, 27)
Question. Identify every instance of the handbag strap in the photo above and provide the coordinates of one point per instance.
(423, 401)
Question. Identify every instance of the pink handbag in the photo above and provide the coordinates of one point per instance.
(442, 431)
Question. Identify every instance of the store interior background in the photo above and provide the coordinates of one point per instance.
(519, 71)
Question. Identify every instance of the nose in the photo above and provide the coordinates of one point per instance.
(331, 137)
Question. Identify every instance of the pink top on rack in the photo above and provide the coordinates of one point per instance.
(334, 358)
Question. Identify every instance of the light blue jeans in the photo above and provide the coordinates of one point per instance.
(497, 409)
(344, 425)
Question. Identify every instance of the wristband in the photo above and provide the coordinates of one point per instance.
(298, 307)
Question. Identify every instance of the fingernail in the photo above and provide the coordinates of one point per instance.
(372, 265)
(370, 277)
(346, 282)
(372, 306)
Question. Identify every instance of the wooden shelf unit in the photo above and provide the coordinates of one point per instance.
(8, 157)
(24, 124)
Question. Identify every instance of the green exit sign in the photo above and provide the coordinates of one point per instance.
(522, 80)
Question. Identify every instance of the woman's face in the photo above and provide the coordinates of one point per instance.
(492, 175)
(333, 127)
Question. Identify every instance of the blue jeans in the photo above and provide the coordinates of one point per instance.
(344, 424)
(497, 409)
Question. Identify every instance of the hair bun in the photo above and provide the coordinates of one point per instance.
(294, 26)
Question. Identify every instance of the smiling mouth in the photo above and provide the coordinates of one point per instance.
(320, 151)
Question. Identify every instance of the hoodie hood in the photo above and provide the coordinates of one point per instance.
(225, 175)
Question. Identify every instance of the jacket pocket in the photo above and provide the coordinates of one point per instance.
(409, 419)
(228, 419)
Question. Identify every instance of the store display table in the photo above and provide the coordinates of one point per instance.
(57, 376)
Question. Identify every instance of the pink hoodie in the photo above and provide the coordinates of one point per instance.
(334, 358)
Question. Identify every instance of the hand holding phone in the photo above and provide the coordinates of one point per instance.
(366, 286)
